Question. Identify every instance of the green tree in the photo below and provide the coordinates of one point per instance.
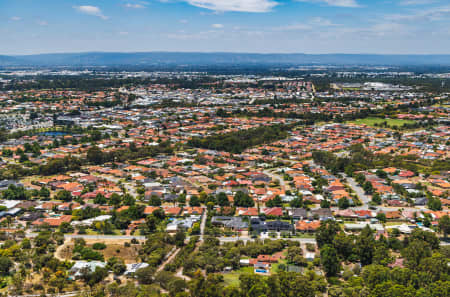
(365, 246)
(415, 252)
(155, 200)
(296, 202)
(194, 201)
(95, 155)
(222, 199)
(243, 200)
(434, 203)
(180, 236)
(326, 232)
(44, 193)
(100, 199)
(343, 203)
(330, 261)
(381, 216)
(5, 265)
(64, 195)
(444, 225)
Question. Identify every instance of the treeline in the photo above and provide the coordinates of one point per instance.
(96, 83)
(94, 156)
(361, 159)
(237, 142)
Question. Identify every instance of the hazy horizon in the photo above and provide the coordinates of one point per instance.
(237, 26)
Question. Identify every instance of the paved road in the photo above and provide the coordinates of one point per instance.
(85, 236)
(274, 176)
(359, 191)
(246, 238)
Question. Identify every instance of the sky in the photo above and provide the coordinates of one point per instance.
(255, 26)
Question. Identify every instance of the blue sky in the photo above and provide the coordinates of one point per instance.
(283, 26)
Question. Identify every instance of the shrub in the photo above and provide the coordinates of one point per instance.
(99, 246)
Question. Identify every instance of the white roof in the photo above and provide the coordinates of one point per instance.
(10, 203)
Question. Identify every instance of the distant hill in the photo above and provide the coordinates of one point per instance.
(193, 58)
(9, 61)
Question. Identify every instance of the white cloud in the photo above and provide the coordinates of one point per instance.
(314, 23)
(217, 26)
(294, 27)
(425, 15)
(235, 5)
(339, 3)
(16, 18)
(123, 33)
(42, 23)
(132, 5)
(416, 2)
(91, 10)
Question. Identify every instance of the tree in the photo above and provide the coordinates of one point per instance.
(194, 201)
(325, 203)
(330, 260)
(360, 178)
(343, 203)
(114, 199)
(96, 135)
(415, 252)
(65, 227)
(343, 245)
(326, 232)
(181, 199)
(296, 202)
(117, 265)
(64, 195)
(376, 198)
(145, 275)
(222, 199)
(368, 188)
(434, 203)
(381, 173)
(95, 155)
(374, 275)
(294, 256)
(290, 284)
(155, 200)
(365, 246)
(92, 278)
(381, 216)
(444, 225)
(128, 200)
(275, 202)
(44, 193)
(180, 236)
(5, 265)
(243, 200)
(100, 199)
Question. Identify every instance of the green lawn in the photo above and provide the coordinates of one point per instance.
(232, 278)
(371, 121)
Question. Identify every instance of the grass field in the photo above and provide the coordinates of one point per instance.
(232, 278)
(372, 121)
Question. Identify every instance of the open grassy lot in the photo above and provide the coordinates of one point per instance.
(371, 121)
(232, 278)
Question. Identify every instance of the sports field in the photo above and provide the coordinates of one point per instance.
(373, 122)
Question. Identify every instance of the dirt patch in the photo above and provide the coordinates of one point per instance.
(114, 248)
